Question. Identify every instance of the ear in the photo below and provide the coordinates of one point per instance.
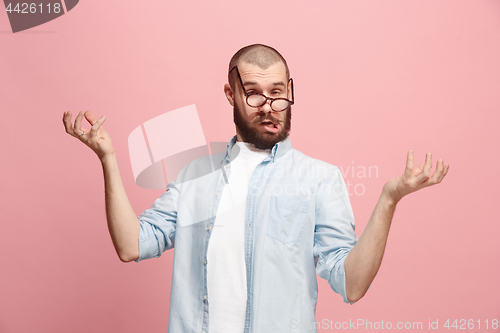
(229, 94)
(289, 90)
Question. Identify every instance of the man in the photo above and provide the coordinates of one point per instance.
(250, 236)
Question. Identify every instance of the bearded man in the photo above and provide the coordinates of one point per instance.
(250, 237)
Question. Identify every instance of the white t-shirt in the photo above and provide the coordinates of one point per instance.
(226, 280)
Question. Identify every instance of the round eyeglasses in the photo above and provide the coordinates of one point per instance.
(257, 100)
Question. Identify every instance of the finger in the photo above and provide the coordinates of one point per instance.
(419, 169)
(90, 117)
(438, 172)
(78, 123)
(427, 167)
(97, 125)
(409, 164)
(446, 167)
(67, 122)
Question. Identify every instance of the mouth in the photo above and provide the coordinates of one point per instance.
(270, 126)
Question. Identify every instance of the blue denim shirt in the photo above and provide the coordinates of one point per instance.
(298, 221)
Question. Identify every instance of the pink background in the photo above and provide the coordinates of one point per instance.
(373, 79)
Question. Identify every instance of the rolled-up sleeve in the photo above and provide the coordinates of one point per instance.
(334, 235)
(158, 223)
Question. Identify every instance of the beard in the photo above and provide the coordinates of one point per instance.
(250, 133)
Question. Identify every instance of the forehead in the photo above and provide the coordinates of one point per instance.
(250, 73)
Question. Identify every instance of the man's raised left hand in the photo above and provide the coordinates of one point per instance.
(414, 180)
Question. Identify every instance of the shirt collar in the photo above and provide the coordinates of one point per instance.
(277, 151)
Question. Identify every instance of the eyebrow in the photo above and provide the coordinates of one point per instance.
(252, 83)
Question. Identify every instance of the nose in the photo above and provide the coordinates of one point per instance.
(266, 107)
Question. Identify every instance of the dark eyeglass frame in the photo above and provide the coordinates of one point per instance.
(291, 102)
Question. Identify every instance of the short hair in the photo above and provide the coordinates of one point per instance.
(260, 55)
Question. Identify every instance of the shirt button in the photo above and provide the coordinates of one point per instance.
(209, 227)
(204, 262)
(217, 194)
(204, 299)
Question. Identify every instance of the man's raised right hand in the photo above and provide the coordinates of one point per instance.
(97, 138)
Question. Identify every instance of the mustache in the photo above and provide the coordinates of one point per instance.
(268, 118)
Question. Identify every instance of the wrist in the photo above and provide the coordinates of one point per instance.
(388, 199)
(389, 196)
(108, 158)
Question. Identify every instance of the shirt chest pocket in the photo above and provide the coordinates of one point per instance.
(286, 218)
